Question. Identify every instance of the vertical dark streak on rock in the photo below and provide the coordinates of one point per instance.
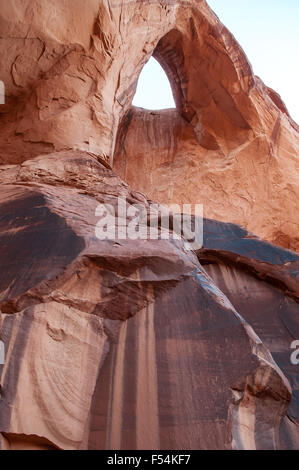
(10, 383)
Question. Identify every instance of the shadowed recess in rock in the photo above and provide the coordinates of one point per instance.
(35, 244)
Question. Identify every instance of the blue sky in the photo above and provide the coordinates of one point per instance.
(153, 89)
(268, 31)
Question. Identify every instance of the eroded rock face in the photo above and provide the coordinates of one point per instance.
(230, 144)
(254, 182)
(130, 343)
(143, 344)
(70, 76)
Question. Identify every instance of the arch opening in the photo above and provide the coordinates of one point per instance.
(153, 91)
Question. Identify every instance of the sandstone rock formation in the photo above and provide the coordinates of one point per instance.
(143, 344)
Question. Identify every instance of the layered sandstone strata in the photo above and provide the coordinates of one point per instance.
(71, 72)
(123, 343)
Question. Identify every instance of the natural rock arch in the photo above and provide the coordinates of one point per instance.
(219, 136)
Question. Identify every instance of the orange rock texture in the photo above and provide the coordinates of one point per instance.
(143, 344)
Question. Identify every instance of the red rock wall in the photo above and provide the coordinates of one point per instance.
(70, 76)
(129, 343)
(230, 145)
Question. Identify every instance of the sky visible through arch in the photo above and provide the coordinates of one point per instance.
(267, 30)
(153, 89)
